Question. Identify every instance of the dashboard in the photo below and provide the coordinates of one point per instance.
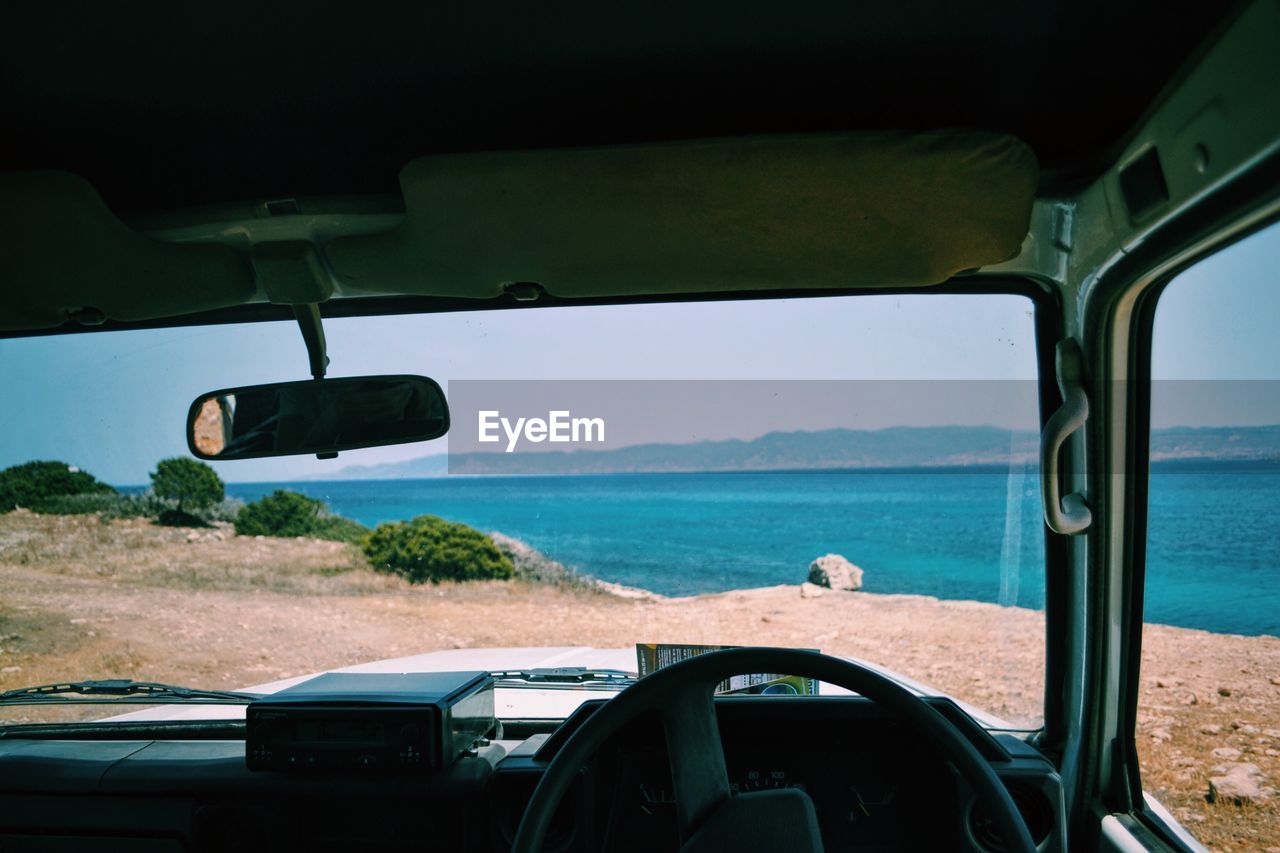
(874, 787)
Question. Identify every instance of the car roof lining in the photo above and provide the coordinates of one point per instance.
(64, 255)
(828, 211)
(740, 214)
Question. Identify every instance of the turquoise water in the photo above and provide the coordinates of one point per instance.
(1213, 550)
(1213, 562)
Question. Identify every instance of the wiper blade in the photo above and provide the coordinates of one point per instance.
(577, 677)
(121, 690)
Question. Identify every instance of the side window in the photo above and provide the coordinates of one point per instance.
(1208, 731)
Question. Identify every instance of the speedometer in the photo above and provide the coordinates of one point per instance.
(760, 780)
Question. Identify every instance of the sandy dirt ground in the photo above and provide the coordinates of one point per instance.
(82, 598)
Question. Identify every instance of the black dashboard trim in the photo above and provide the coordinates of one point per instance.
(827, 708)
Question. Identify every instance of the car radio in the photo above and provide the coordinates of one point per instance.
(411, 721)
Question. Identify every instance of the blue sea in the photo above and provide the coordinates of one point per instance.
(1213, 557)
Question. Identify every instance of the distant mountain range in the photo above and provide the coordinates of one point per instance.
(895, 447)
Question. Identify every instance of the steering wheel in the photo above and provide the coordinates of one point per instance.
(781, 819)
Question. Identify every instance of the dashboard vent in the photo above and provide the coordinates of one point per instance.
(1036, 811)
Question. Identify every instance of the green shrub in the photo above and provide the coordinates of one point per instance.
(339, 529)
(108, 504)
(76, 504)
(286, 513)
(32, 482)
(281, 513)
(194, 485)
(111, 505)
(432, 549)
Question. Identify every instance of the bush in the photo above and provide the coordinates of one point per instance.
(281, 513)
(194, 485)
(339, 529)
(113, 505)
(286, 513)
(432, 549)
(32, 482)
(109, 505)
(76, 504)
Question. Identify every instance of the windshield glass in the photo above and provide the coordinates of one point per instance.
(854, 475)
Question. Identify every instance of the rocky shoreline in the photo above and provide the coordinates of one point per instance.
(828, 572)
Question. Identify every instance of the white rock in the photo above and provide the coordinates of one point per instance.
(11, 669)
(1239, 783)
(835, 572)
(810, 590)
(1227, 753)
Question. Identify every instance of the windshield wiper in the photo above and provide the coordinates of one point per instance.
(121, 690)
(574, 677)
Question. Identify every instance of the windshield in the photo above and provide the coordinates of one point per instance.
(854, 475)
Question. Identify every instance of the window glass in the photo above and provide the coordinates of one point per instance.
(882, 443)
(1209, 708)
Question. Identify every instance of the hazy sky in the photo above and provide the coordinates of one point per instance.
(114, 403)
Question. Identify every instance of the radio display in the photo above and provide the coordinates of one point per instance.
(319, 732)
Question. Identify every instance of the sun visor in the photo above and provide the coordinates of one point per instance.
(65, 256)
(830, 211)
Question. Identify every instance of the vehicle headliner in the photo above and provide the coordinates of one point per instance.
(185, 110)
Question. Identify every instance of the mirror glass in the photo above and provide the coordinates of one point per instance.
(315, 416)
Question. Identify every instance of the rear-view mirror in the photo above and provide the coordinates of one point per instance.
(321, 416)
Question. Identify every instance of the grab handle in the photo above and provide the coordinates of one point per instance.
(1066, 514)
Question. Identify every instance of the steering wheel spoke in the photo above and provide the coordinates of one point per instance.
(698, 774)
